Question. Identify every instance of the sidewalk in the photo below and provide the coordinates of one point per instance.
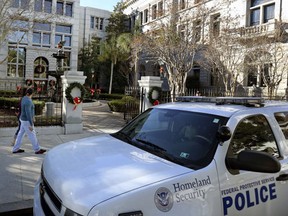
(19, 172)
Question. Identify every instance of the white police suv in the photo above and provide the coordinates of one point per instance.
(198, 156)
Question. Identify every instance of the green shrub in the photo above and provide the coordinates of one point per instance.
(121, 105)
(13, 103)
(110, 97)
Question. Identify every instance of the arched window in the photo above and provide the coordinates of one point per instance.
(40, 67)
(16, 61)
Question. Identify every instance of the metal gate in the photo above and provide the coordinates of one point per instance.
(133, 107)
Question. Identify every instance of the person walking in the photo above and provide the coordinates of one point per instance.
(27, 125)
(17, 113)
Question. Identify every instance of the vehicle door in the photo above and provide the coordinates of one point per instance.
(249, 192)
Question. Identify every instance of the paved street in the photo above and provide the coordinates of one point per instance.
(19, 172)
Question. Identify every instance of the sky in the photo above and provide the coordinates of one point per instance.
(101, 4)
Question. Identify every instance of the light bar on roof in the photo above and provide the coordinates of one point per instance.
(247, 101)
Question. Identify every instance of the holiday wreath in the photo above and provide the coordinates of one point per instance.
(154, 101)
(75, 100)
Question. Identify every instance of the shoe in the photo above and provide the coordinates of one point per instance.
(41, 151)
(19, 151)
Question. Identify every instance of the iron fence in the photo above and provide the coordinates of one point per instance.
(133, 109)
(48, 112)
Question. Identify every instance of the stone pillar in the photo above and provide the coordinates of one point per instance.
(72, 117)
(147, 82)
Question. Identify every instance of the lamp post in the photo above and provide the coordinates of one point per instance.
(60, 56)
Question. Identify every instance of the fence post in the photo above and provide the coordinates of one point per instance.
(72, 116)
(147, 82)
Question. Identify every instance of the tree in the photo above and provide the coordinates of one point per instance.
(136, 49)
(174, 42)
(10, 15)
(224, 53)
(268, 59)
(117, 21)
(17, 18)
(115, 49)
(117, 46)
(89, 62)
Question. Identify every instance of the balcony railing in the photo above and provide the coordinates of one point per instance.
(259, 30)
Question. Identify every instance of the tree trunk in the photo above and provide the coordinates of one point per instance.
(111, 78)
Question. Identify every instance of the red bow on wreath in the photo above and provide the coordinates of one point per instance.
(92, 91)
(77, 101)
(156, 102)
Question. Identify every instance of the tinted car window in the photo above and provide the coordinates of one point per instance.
(186, 138)
(253, 133)
(282, 119)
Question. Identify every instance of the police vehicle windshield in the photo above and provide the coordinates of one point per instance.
(185, 138)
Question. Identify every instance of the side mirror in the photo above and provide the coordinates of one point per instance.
(254, 161)
(224, 133)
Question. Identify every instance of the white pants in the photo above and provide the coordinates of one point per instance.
(24, 128)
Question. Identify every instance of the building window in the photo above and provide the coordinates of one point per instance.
(19, 32)
(182, 4)
(40, 67)
(101, 23)
(42, 34)
(257, 74)
(146, 14)
(269, 11)
(154, 12)
(160, 9)
(261, 12)
(24, 4)
(18, 36)
(16, 61)
(66, 63)
(258, 2)
(97, 22)
(60, 8)
(63, 33)
(141, 18)
(197, 30)
(48, 6)
(43, 6)
(182, 31)
(92, 22)
(68, 9)
(175, 5)
(215, 25)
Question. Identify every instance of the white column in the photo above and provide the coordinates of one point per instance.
(147, 82)
(72, 117)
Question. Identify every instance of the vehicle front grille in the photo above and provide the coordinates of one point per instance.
(45, 188)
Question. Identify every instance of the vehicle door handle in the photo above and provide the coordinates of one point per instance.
(282, 177)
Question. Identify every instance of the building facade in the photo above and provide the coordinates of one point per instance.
(29, 52)
(255, 19)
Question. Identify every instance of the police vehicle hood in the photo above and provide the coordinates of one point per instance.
(86, 172)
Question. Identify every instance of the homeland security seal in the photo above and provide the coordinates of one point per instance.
(163, 199)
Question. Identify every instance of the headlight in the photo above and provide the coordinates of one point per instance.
(135, 213)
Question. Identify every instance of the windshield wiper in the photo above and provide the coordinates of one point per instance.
(161, 152)
(122, 136)
(152, 145)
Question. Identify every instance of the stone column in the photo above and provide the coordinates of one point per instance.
(147, 82)
(72, 117)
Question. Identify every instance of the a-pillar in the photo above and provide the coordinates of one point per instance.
(147, 83)
(72, 117)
